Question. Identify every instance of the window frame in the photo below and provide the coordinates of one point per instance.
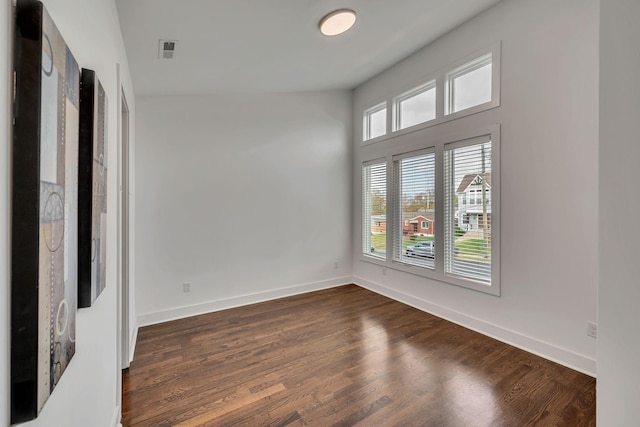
(437, 145)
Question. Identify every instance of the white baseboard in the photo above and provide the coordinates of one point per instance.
(563, 356)
(132, 343)
(116, 418)
(238, 301)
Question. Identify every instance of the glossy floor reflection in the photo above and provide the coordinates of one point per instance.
(343, 356)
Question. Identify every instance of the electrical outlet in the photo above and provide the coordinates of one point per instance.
(592, 329)
(186, 287)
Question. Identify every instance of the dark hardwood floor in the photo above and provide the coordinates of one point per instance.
(341, 357)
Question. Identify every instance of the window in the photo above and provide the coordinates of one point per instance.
(415, 106)
(375, 122)
(374, 209)
(469, 85)
(414, 197)
(468, 253)
(421, 225)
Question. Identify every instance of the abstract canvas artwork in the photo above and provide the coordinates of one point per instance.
(44, 271)
(92, 192)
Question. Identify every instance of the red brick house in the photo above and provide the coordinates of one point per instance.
(413, 223)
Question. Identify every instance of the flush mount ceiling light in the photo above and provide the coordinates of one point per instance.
(337, 22)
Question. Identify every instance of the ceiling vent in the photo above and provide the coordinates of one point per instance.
(167, 49)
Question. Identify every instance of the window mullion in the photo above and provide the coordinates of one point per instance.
(391, 203)
(439, 212)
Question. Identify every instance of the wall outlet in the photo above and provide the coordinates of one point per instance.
(592, 329)
(186, 287)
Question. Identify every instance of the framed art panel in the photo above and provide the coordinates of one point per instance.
(92, 190)
(44, 238)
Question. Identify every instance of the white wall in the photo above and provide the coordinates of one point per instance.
(618, 390)
(549, 139)
(86, 394)
(247, 197)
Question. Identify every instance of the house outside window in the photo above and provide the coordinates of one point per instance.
(468, 169)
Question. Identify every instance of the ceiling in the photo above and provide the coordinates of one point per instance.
(228, 46)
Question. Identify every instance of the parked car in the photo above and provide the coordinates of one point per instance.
(426, 249)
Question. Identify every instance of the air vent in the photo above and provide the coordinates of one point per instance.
(167, 49)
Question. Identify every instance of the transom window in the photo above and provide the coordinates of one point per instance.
(466, 87)
(469, 85)
(375, 121)
(415, 106)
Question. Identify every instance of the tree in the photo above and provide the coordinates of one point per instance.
(419, 202)
(378, 204)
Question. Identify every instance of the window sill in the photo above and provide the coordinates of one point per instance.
(448, 278)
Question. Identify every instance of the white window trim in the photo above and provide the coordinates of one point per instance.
(440, 77)
(466, 137)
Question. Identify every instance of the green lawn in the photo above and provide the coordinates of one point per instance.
(472, 247)
(379, 241)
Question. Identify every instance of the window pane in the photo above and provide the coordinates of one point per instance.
(374, 210)
(470, 85)
(468, 227)
(414, 240)
(375, 122)
(418, 108)
(378, 123)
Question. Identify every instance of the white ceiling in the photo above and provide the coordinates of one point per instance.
(274, 45)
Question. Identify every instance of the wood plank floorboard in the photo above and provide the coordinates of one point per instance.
(342, 357)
